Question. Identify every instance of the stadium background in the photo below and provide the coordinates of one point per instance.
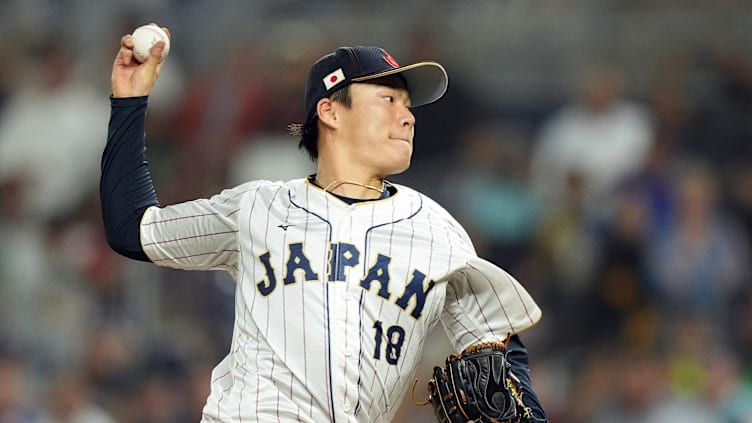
(639, 255)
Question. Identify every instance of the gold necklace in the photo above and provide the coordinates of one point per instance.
(339, 182)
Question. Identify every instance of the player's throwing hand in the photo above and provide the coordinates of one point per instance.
(131, 78)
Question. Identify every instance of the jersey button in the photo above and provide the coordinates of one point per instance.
(346, 407)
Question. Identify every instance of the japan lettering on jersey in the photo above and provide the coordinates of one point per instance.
(333, 301)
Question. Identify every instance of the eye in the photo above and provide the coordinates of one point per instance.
(389, 98)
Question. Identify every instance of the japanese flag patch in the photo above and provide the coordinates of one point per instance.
(333, 79)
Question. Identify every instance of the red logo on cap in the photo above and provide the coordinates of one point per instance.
(389, 59)
(333, 79)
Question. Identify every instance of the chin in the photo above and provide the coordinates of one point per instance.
(399, 160)
(396, 170)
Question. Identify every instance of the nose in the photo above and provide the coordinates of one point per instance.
(408, 118)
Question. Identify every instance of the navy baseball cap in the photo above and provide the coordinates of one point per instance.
(426, 81)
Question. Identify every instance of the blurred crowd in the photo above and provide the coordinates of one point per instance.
(626, 212)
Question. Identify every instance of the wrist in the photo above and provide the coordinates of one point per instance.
(128, 101)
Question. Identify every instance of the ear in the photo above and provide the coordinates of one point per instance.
(326, 112)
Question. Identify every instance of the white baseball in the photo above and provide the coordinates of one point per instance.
(144, 38)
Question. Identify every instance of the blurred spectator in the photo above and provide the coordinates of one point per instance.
(682, 410)
(600, 136)
(110, 358)
(287, 66)
(70, 401)
(619, 303)
(51, 133)
(636, 383)
(271, 156)
(701, 381)
(740, 195)
(271, 152)
(24, 268)
(160, 394)
(720, 119)
(700, 260)
(488, 193)
(217, 115)
(566, 240)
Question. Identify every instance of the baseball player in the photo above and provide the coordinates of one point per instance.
(340, 275)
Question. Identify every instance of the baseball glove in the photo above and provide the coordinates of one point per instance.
(477, 386)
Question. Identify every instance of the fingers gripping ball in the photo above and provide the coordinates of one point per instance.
(144, 38)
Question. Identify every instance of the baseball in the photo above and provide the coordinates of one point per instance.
(144, 38)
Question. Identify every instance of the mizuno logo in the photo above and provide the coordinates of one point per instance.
(284, 227)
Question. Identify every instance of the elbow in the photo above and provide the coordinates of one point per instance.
(116, 242)
(125, 239)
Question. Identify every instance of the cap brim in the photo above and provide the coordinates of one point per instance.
(426, 81)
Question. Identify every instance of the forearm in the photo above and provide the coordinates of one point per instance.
(518, 359)
(126, 189)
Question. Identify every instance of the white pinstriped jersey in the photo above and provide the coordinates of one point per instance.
(333, 301)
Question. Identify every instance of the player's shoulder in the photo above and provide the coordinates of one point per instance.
(437, 216)
(258, 191)
(428, 204)
(263, 185)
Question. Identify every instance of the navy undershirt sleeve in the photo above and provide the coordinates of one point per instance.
(517, 356)
(125, 187)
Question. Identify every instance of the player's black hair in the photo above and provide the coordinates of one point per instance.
(309, 131)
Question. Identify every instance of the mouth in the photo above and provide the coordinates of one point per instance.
(407, 140)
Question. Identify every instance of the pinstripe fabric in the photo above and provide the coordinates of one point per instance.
(333, 301)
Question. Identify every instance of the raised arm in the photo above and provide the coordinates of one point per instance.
(126, 188)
